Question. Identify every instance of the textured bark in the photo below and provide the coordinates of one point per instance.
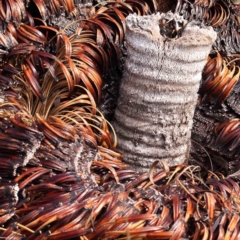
(206, 151)
(158, 93)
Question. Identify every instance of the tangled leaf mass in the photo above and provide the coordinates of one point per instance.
(60, 175)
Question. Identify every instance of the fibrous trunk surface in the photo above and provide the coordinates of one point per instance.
(158, 92)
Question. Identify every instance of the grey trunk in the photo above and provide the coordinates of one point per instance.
(158, 93)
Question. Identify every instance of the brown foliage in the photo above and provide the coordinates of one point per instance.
(51, 79)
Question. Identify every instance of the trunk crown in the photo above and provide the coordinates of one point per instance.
(158, 92)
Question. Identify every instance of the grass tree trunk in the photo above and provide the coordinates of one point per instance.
(158, 92)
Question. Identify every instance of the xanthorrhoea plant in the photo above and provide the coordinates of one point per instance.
(158, 93)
